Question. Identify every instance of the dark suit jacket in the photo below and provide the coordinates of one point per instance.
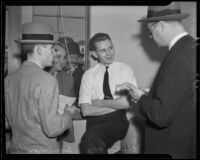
(170, 107)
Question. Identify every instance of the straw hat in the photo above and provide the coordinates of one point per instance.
(165, 13)
(36, 33)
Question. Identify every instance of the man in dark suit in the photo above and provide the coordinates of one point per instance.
(170, 106)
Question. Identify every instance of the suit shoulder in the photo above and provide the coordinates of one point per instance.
(45, 77)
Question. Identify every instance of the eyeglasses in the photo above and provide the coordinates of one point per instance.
(149, 30)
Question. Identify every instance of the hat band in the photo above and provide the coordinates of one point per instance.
(37, 37)
(162, 13)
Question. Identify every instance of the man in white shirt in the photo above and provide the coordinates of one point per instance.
(105, 112)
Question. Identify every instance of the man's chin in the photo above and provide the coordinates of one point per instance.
(50, 64)
(110, 61)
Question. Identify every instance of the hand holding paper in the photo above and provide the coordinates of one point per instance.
(63, 100)
(135, 92)
(72, 109)
(125, 86)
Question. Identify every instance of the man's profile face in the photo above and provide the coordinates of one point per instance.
(105, 52)
(155, 31)
(48, 53)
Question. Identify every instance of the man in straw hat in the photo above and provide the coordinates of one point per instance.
(169, 107)
(31, 96)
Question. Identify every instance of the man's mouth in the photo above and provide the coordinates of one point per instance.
(108, 58)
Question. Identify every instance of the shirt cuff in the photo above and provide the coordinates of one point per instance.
(84, 99)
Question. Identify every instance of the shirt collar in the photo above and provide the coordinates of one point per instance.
(35, 62)
(104, 67)
(176, 38)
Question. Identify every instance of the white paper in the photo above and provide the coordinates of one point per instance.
(63, 100)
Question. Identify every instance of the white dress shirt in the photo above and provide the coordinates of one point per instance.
(92, 81)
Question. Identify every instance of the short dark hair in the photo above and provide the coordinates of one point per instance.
(96, 38)
(28, 48)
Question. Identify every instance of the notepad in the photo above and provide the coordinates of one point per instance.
(63, 100)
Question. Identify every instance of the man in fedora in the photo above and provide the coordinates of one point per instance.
(31, 96)
(170, 106)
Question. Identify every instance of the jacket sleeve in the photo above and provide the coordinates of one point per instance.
(53, 124)
(161, 106)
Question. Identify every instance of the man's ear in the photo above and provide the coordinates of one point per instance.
(94, 55)
(39, 49)
(162, 26)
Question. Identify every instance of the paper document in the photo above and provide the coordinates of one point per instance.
(63, 100)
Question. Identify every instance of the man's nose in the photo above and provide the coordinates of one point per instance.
(108, 51)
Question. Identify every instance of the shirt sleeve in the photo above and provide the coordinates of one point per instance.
(85, 93)
(53, 124)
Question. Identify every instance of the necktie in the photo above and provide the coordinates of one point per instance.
(106, 87)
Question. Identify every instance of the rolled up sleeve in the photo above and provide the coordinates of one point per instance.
(85, 93)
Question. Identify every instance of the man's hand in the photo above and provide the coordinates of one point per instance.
(135, 92)
(125, 86)
(71, 109)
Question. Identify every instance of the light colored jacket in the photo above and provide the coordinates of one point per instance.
(31, 98)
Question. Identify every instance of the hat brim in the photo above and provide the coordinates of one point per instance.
(37, 41)
(165, 18)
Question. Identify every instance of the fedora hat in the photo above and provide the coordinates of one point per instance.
(164, 13)
(36, 33)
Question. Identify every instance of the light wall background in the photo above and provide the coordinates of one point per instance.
(131, 42)
(120, 22)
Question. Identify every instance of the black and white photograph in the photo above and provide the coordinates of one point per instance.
(117, 80)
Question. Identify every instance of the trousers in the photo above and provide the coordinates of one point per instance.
(103, 131)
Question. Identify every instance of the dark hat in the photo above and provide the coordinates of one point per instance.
(75, 59)
(36, 33)
(73, 47)
(164, 13)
